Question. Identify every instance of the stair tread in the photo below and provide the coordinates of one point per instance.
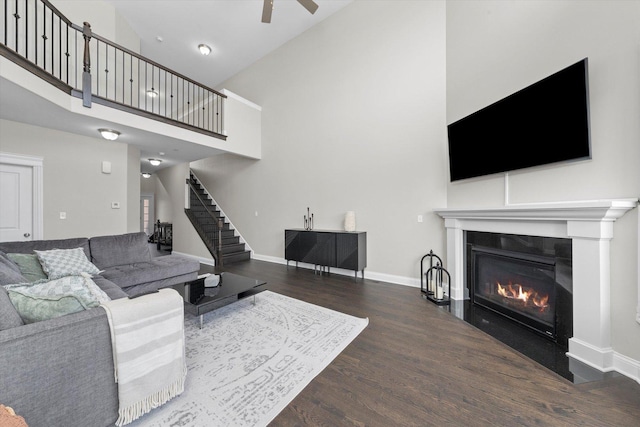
(238, 257)
(232, 249)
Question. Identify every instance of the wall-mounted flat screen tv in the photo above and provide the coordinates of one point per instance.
(547, 122)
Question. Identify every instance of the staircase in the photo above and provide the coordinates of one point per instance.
(212, 227)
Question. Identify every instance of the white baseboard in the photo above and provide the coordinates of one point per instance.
(371, 275)
(627, 366)
(598, 358)
(604, 359)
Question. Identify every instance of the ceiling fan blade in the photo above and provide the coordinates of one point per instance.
(267, 8)
(310, 5)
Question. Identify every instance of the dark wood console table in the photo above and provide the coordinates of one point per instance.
(327, 248)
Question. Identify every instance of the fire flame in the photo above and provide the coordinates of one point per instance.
(517, 292)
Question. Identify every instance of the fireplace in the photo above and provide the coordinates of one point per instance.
(525, 279)
(587, 226)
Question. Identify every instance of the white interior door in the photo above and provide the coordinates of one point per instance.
(21, 197)
(16, 202)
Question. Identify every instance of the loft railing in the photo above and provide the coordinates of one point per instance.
(39, 38)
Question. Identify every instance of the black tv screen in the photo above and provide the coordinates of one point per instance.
(544, 123)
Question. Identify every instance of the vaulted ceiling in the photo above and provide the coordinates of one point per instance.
(170, 32)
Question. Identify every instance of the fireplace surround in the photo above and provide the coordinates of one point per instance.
(589, 226)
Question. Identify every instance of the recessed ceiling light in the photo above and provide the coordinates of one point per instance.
(151, 93)
(155, 162)
(146, 175)
(204, 49)
(109, 134)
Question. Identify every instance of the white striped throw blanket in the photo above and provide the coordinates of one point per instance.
(147, 336)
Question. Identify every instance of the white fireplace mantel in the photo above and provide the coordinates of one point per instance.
(589, 224)
(594, 210)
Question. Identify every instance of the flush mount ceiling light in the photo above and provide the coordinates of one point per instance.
(155, 162)
(151, 93)
(109, 134)
(204, 49)
(146, 175)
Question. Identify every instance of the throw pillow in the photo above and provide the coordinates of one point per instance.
(45, 300)
(9, 271)
(59, 263)
(6, 262)
(9, 317)
(29, 267)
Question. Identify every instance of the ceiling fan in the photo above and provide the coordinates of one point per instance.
(267, 8)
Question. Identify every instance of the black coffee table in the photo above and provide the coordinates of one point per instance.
(199, 300)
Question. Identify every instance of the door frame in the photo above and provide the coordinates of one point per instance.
(36, 165)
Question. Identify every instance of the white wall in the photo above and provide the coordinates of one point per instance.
(73, 179)
(148, 185)
(353, 118)
(495, 48)
(163, 201)
(104, 19)
(133, 189)
(242, 125)
(170, 203)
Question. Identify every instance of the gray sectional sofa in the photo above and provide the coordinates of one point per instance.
(59, 372)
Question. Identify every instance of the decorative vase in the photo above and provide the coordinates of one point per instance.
(350, 221)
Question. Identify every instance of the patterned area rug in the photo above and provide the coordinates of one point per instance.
(249, 361)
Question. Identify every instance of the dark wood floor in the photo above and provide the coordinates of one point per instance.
(418, 365)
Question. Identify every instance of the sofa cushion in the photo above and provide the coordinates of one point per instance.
(154, 270)
(59, 263)
(9, 271)
(29, 265)
(54, 298)
(9, 317)
(29, 246)
(112, 290)
(159, 284)
(109, 251)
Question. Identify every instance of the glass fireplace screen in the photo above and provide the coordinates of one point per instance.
(519, 286)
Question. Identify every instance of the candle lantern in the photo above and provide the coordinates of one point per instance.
(441, 281)
(427, 280)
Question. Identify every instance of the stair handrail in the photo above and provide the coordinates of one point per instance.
(39, 38)
(219, 222)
